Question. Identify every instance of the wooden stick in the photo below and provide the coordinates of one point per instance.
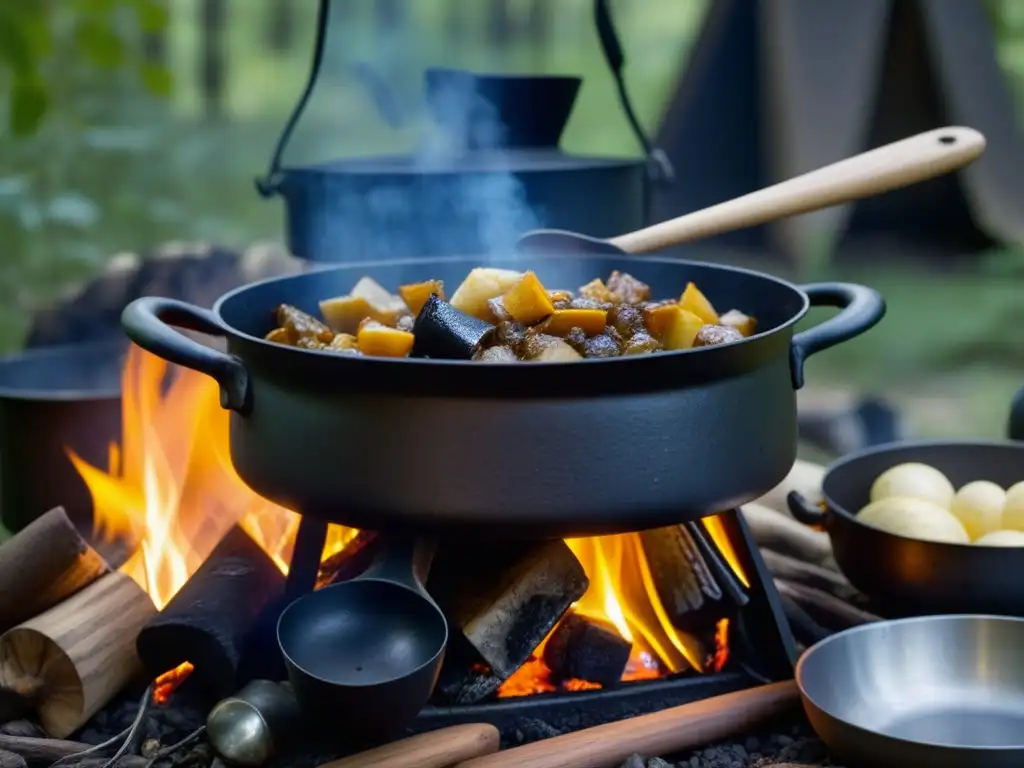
(808, 574)
(49, 750)
(437, 749)
(776, 531)
(824, 608)
(804, 477)
(657, 733)
(75, 657)
(43, 564)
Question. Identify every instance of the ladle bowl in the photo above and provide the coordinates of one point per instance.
(363, 655)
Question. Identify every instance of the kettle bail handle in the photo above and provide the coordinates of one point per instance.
(269, 184)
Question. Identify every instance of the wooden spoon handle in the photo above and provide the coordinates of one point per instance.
(890, 167)
(659, 733)
(436, 749)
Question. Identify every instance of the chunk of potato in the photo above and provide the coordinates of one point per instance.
(480, 285)
(557, 352)
(561, 321)
(278, 336)
(386, 306)
(596, 290)
(345, 313)
(696, 302)
(527, 301)
(415, 295)
(673, 326)
(380, 341)
(745, 324)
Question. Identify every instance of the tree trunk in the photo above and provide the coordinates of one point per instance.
(212, 76)
(280, 25)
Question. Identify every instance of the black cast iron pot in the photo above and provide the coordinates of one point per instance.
(542, 449)
(910, 577)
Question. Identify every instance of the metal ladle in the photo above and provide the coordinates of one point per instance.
(363, 655)
(893, 166)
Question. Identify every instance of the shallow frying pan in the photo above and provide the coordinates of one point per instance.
(938, 691)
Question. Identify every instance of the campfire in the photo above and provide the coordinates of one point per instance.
(627, 607)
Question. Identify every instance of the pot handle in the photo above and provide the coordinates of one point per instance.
(803, 510)
(152, 323)
(862, 308)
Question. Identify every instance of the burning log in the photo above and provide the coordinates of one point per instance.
(781, 533)
(828, 611)
(43, 564)
(355, 558)
(681, 576)
(71, 660)
(587, 648)
(808, 575)
(208, 621)
(46, 751)
(506, 599)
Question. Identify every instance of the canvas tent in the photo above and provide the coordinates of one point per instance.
(775, 88)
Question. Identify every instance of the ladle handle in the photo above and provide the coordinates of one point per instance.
(404, 560)
(893, 166)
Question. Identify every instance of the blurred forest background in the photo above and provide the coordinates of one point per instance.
(135, 122)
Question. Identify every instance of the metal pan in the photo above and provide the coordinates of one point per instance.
(363, 655)
(906, 577)
(937, 691)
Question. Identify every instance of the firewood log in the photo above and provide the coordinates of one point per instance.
(804, 477)
(587, 648)
(505, 597)
(11, 760)
(72, 659)
(781, 533)
(681, 576)
(46, 751)
(208, 622)
(828, 611)
(44, 563)
(808, 575)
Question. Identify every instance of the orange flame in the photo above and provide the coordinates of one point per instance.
(171, 493)
(170, 681)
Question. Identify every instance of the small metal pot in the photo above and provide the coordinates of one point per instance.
(53, 399)
(906, 577)
(534, 449)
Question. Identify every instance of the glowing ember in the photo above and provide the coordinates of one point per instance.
(170, 493)
(169, 681)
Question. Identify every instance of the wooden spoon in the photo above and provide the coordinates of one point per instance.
(436, 749)
(893, 166)
(659, 733)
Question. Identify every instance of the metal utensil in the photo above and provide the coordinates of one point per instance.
(886, 168)
(363, 655)
(941, 691)
(255, 725)
(908, 577)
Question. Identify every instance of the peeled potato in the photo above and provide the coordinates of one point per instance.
(918, 481)
(979, 506)
(1002, 538)
(480, 285)
(915, 519)
(1013, 508)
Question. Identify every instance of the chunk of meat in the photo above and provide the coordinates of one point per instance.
(641, 343)
(499, 354)
(713, 335)
(627, 319)
(602, 345)
(626, 289)
(300, 325)
(596, 291)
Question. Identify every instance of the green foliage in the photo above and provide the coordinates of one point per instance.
(102, 34)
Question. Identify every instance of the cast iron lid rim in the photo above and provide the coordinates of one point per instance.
(799, 674)
(398, 362)
(320, 679)
(841, 511)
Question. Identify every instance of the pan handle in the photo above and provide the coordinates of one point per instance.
(803, 510)
(152, 323)
(862, 308)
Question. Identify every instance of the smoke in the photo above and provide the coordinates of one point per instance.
(454, 193)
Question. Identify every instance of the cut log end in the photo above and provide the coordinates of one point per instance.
(72, 659)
